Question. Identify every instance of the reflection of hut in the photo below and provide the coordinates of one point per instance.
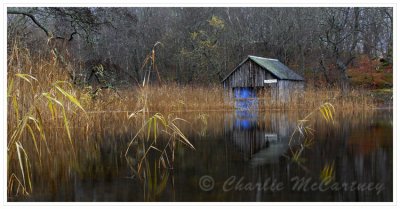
(246, 133)
(269, 155)
(259, 73)
(254, 140)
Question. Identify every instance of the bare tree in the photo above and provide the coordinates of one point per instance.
(201, 45)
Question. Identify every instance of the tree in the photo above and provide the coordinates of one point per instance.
(202, 45)
(339, 38)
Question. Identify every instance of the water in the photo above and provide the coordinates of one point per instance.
(245, 156)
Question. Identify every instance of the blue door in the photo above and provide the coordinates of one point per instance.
(245, 98)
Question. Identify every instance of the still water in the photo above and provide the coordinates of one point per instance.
(245, 156)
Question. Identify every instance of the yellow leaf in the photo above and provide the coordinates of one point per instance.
(70, 97)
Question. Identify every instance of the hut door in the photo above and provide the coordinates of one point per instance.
(245, 98)
(244, 93)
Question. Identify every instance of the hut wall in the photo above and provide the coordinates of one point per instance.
(287, 88)
(249, 74)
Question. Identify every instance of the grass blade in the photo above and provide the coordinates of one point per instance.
(70, 97)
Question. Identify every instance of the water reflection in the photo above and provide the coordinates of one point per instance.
(262, 138)
(245, 144)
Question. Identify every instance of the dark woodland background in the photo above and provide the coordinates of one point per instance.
(328, 46)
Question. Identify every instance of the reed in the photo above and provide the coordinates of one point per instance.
(312, 97)
(303, 138)
(153, 127)
(172, 97)
(33, 106)
(328, 173)
(53, 125)
(47, 112)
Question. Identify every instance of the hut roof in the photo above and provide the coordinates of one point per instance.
(273, 66)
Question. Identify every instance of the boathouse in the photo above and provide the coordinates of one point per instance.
(255, 74)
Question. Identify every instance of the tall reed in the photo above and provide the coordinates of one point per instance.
(34, 104)
(303, 138)
(56, 129)
(153, 127)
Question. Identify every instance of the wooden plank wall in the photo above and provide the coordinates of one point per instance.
(248, 75)
(286, 88)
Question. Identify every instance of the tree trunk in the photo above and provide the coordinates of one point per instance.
(344, 79)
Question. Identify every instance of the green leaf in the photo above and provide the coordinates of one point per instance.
(40, 128)
(67, 128)
(33, 138)
(20, 161)
(70, 97)
(15, 106)
(26, 77)
(24, 172)
(50, 98)
(10, 87)
(52, 109)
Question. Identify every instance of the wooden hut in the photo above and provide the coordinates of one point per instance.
(258, 73)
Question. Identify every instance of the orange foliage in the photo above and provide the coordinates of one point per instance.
(371, 73)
